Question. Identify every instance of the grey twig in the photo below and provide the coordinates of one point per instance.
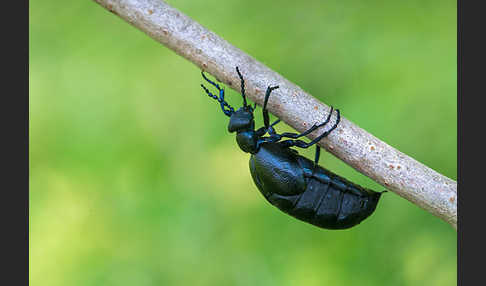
(364, 152)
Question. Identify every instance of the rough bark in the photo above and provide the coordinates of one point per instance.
(367, 154)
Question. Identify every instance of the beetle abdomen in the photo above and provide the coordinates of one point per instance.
(326, 206)
(327, 200)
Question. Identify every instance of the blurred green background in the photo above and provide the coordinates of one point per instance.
(134, 179)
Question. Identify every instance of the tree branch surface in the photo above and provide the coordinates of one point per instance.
(367, 154)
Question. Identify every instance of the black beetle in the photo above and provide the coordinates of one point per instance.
(289, 181)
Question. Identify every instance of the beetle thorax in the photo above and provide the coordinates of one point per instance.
(247, 140)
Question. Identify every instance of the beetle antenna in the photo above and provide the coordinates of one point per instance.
(242, 87)
(222, 102)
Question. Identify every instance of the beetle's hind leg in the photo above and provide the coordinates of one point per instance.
(318, 154)
(313, 128)
(302, 144)
(316, 158)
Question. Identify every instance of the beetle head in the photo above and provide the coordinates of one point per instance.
(242, 119)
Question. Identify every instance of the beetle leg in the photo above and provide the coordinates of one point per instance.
(314, 127)
(338, 119)
(292, 143)
(316, 158)
(318, 154)
(270, 128)
(266, 118)
(275, 122)
(262, 140)
(302, 144)
(270, 139)
(261, 131)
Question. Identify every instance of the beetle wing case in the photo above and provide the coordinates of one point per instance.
(277, 170)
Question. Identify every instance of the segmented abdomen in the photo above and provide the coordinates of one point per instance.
(331, 203)
(308, 192)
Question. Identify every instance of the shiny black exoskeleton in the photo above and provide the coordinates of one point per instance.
(289, 181)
